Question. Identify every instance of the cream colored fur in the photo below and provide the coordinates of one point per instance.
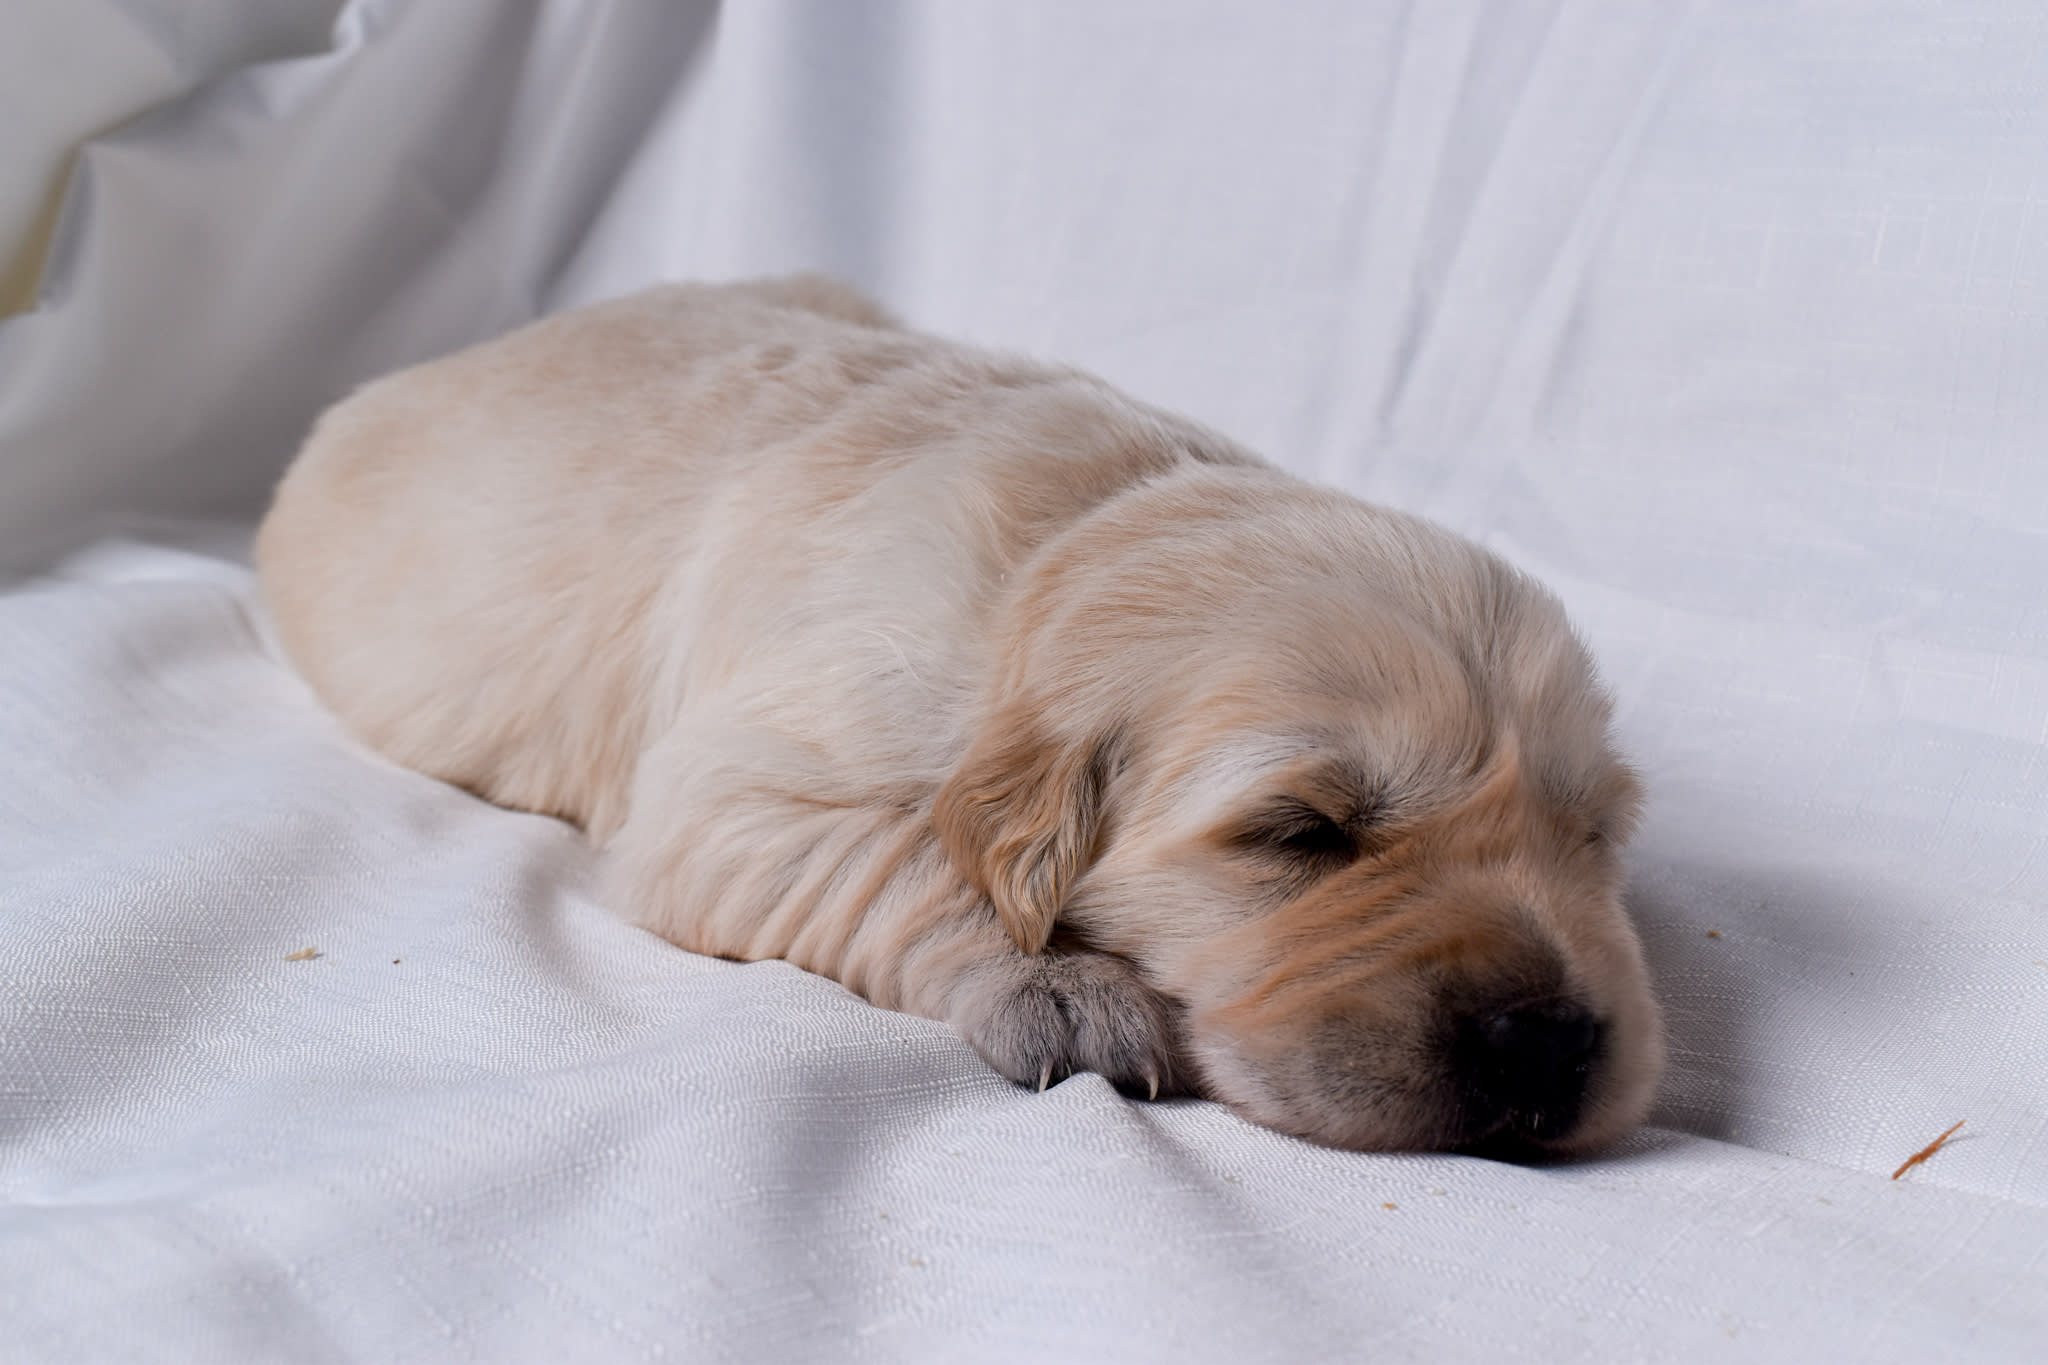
(991, 693)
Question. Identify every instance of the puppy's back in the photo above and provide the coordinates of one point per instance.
(507, 567)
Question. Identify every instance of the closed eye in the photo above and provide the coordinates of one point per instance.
(1312, 836)
(1297, 844)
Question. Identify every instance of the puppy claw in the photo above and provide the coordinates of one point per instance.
(1045, 1076)
(1151, 1084)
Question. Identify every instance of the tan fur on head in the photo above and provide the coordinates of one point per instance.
(1001, 698)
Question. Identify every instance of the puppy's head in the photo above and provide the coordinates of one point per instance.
(1339, 784)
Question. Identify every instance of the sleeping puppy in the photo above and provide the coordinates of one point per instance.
(1002, 699)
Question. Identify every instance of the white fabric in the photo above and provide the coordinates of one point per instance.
(1730, 321)
(70, 69)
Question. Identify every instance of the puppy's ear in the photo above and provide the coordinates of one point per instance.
(1019, 818)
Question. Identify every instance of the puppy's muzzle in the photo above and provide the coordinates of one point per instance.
(1503, 1053)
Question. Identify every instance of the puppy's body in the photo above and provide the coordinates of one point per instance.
(892, 658)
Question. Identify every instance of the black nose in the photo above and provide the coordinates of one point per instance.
(1522, 1071)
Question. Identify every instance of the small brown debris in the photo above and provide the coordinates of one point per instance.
(1713, 933)
(1390, 1206)
(302, 955)
(1929, 1150)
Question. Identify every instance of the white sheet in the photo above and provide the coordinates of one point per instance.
(1728, 321)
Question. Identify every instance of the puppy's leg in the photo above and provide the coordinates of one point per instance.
(736, 846)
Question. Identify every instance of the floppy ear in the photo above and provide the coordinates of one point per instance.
(1019, 819)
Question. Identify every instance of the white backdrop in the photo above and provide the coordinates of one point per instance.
(1728, 320)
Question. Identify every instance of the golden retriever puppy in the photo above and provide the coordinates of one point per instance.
(1002, 699)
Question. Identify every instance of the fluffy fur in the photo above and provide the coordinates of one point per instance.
(1002, 699)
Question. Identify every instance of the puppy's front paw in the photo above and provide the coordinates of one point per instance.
(1039, 1019)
